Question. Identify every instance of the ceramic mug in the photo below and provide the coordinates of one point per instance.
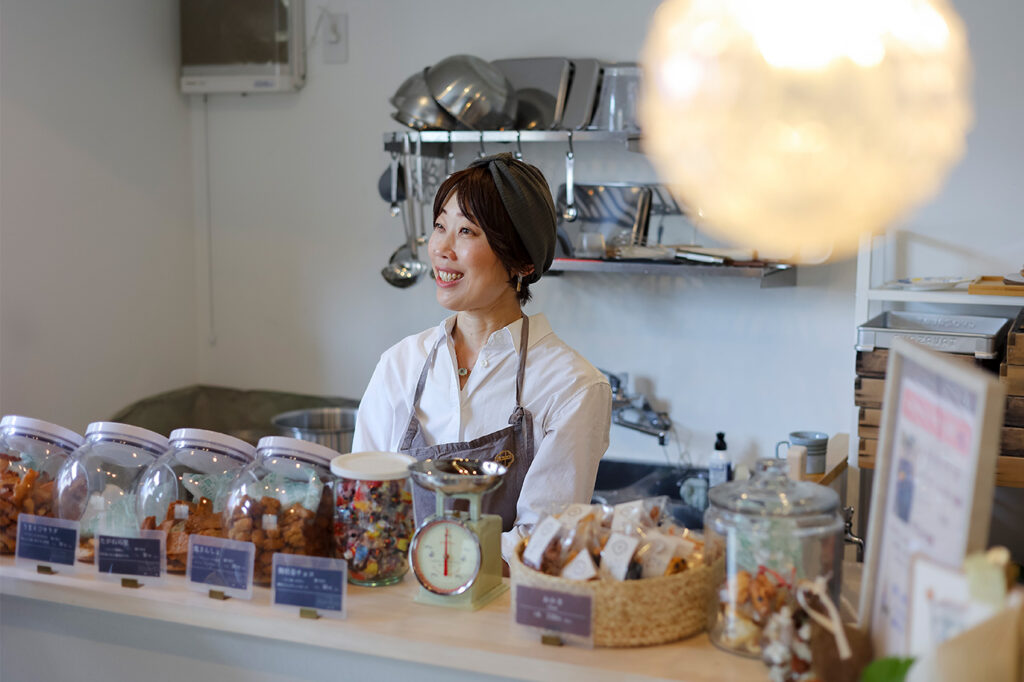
(816, 443)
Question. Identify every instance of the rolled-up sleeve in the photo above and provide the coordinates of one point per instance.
(564, 467)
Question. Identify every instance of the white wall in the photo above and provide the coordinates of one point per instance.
(300, 235)
(97, 294)
(97, 207)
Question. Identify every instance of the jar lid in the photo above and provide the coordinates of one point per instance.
(319, 453)
(38, 427)
(769, 492)
(372, 466)
(128, 432)
(204, 438)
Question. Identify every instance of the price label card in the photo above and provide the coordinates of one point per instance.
(45, 541)
(309, 582)
(118, 556)
(567, 615)
(220, 564)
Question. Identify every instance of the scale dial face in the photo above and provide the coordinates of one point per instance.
(445, 556)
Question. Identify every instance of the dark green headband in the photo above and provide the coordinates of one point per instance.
(526, 197)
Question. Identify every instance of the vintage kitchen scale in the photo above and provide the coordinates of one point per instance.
(456, 555)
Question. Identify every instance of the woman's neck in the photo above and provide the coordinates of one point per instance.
(473, 328)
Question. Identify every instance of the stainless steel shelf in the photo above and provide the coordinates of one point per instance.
(953, 296)
(393, 141)
(771, 274)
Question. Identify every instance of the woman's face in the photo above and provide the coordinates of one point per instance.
(468, 274)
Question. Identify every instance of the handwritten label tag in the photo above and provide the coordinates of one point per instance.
(570, 615)
(46, 541)
(220, 564)
(118, 556)
(310, 582)
(546, 532)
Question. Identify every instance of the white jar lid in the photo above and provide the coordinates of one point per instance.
(320, 453)
(128, 432)
(204, 438)
(372, 466)
(40, 428)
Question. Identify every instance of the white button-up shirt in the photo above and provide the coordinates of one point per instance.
(569, 399)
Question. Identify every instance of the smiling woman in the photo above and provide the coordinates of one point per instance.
(448, 391)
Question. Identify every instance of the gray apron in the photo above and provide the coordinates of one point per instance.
(511, 446)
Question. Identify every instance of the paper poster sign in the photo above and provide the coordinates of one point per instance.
(553, 611)
(132, 557)
(45, 541)
(310, 582)
(220, 564)
(934, 479)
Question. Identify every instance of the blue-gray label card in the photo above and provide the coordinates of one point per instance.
(220, 564)
(310, 582)
(124, 556)
(553, 611)
(45, 540)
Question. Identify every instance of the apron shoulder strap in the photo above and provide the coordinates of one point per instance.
(524, 341)
(423, 373)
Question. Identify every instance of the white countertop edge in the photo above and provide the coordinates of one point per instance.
(172, 602)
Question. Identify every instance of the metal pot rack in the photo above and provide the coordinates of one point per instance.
(438, 144)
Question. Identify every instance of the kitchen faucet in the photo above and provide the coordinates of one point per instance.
(635, 411)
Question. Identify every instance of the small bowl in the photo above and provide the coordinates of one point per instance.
(473, 91)
(455, 476)
(417, 109)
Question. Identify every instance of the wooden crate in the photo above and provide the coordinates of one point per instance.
(1015, 341)
(868, 421)
(873, 363)
(1012, 441)
(1012, 377)
(1009, 470)
(1014, 415)
(868, 392)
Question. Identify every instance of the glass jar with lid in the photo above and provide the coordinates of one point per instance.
(774, 532)
(31, 453)
(283, 502)
(373, 516)
(96, 485)
(184, 490)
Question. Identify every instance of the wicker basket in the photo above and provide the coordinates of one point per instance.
(635, 612)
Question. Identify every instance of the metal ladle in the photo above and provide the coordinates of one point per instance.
(404, 268)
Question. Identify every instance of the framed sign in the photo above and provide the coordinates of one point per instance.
(934, 480)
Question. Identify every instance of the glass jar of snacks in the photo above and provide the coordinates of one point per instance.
(283, 502)
(774, 532)
(373, 516)
(183, 492)
(31, 452)
(96, 485)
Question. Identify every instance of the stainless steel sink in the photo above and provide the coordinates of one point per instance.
(621, 481)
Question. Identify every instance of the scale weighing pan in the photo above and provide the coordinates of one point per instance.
(457, 476)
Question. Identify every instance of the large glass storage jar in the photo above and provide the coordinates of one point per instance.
(373, 516)
(184, 491)
(283, 502)
(96, 485)
(31, 452)
(774, 532)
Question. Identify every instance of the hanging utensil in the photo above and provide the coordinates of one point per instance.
(570, 213)
(518, 154)
(449, 163)
(395, 209)
(404, 269)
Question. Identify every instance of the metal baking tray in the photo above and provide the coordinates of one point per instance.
(983, 337)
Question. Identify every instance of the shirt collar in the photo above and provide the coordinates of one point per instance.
(509, 335)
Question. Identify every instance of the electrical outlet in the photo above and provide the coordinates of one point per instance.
(334, 37)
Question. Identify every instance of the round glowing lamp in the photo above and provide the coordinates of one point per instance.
(796, 126)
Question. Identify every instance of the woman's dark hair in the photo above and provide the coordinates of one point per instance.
(480, 202)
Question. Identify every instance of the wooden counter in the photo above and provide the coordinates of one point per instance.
(384, 623)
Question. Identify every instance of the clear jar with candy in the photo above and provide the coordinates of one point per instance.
(96, 485)
(31, 453)
(775, 533)
(373, 516)
(185, 490)
(283, 501)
